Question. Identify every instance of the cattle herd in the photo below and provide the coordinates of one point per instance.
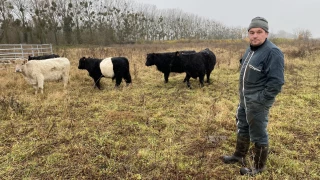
(38, 69)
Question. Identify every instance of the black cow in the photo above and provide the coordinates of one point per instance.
(166, 63)
(209, 61)
(198, 65)
(43, 57)
(112, 67)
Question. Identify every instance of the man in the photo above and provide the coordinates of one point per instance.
(261, 79)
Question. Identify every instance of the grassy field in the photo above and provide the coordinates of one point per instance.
(153, 130)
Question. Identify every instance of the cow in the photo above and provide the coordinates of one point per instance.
(43, 57)
(209, 61)
(166, 63)
(197, 65)
(36, 72)
(111, 67)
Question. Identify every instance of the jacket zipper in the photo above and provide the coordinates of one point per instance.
(248, 58)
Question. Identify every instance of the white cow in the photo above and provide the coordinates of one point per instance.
(36, 72)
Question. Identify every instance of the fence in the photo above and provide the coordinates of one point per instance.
(22, 51)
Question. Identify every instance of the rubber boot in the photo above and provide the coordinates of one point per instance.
(239, 155)
(260, 159)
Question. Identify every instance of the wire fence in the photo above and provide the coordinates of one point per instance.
(22, 51)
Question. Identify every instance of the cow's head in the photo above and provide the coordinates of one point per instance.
(82, 63)
(150, 59)
(19, 66)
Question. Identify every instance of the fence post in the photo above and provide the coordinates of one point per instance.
(22, 52)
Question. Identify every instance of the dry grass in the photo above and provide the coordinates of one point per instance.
(153, 130)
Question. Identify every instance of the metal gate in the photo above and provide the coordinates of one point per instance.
(22, 51)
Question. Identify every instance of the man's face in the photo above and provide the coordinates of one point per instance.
(257, 36)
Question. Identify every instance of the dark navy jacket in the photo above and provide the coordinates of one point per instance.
(261, 74)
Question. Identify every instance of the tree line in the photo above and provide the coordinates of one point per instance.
(103, 22)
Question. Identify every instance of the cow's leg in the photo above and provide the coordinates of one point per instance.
(188, 81)
(40, 82)
(166, 77)
(36, 89)
(201, 80)
(208, 76)
(65, 79)
(118, 80)
(185, 78)
(97, 82)
(128, 78)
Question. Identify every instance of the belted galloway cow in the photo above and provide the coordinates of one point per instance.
(111, 67)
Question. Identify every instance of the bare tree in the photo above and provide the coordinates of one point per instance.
(89, 17)
(66, 17)
(5, 19)
(54, 22)
(21, 12)
(302, 34)
(39, 14)
(77, 12)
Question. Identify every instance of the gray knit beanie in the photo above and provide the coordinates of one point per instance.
(259, 22)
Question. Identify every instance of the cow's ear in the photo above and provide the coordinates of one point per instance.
(177, 53)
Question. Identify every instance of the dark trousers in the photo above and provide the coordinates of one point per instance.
(252, 121)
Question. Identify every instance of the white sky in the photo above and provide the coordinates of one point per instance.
(287, 15)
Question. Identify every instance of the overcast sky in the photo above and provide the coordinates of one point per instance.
(287, 15)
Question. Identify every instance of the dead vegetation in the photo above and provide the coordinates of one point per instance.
(153, 130)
